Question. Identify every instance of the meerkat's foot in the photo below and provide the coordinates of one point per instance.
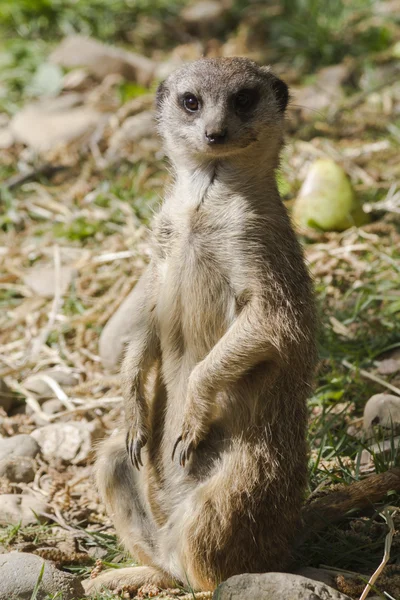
(193, 431)
(131, 577)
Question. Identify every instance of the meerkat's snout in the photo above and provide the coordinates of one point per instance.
(216, 136)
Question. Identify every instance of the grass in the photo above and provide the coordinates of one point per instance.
(104, 19)
(323, 35)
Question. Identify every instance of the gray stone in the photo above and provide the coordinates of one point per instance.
(52, 122)
(389, 366)
(78, 80)
(18, 445)
(39, 384)
(6, 138)
(387, 447)
(323, 575)
(21, 508)
(325, 92)
(20, 571)
(133, 130)
(102, 60)
(19, 469)
(42, 280)
(271, 586)
(203, 12)
(382, 410)
(71, 442)
(49, 407)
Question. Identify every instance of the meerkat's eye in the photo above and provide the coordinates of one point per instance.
(191, 103)
(245, 100)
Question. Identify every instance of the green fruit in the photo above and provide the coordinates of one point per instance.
(326, 200)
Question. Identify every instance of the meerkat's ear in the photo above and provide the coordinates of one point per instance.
(281, 92)
(161, 94)
(279, 87)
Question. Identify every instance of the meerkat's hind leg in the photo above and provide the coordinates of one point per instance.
(121, 488)
(130, 577)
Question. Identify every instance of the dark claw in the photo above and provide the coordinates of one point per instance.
(185, 454)
(175, 446)
(138, 454)
(133, 449)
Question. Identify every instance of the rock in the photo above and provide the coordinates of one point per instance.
(204, 17)
(326, 199)
(39, 385)
(47, 81)
(102, 60)
(271, 586)
(178, 57)
(41, 280)
(21, 508)
(133, 130)
(7, 396)
(388, 366)
(388, 447)
(18, 445)
(46, 124)
(117, 334)
(71, 442)
(78, 80)
(321, 575)
(325, 92)
(137, 127)
(97, 552)
(382, 410)
(6, 138)
(19, 469)
(50, 407)
(19, 572)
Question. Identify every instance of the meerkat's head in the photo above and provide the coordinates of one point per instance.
(215, 108)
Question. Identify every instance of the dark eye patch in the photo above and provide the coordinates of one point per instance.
(245, 100)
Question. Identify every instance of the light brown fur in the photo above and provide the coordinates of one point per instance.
(223, 350)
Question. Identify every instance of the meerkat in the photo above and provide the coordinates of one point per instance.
(209, 479)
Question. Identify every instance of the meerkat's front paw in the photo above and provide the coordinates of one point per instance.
(189, 439)
(136, 439)
(196, 420)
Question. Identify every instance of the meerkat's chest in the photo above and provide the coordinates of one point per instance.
(196, 294)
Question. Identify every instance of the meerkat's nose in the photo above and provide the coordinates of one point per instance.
(216, 137)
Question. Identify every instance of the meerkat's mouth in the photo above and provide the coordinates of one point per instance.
(228, 148)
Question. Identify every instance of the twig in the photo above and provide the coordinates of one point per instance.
(372, 377)
(41, 339)
(390, 204)
(30, 400)
(196, 596)
(21, 178)
(111, 256)
(335, 506)
(55, 387)
(86, 407)
(388, 544)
